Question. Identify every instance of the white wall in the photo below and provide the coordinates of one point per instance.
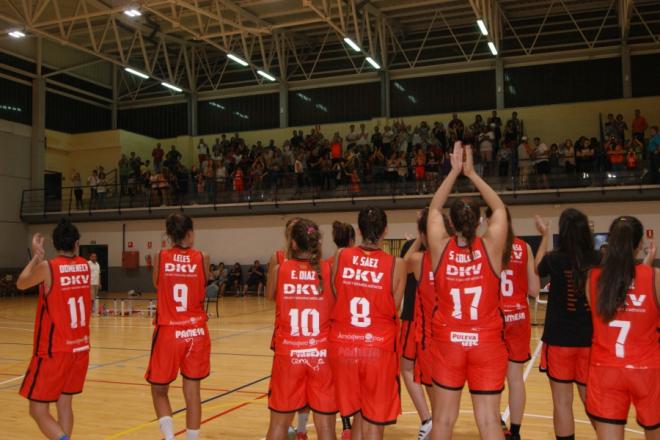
(243, 239)
(14, 178)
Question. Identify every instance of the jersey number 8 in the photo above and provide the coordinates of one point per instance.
(360, 310)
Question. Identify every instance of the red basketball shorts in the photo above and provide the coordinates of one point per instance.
(424, 364)
(174, 349)
(298, 381)
(47, 378)
(610, 390)
(367, 381)
(517, 335)
(483, 366)
(565, 364)
(407, 340)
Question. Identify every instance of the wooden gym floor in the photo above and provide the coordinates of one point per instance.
(116, 403)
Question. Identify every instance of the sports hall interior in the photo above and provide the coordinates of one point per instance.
(68, 104)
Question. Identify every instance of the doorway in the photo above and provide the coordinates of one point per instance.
(101, 251)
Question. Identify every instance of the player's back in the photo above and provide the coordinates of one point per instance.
(365, 313)
(630, 339)
(468, 294)
(63, 313)
(514, 282)
(181, 287)
(303, 306)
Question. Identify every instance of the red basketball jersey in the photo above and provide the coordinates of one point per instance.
(365, 313)
(425, 300)
(514, 283)
(181, 287)
(281, 256)
(62, 321)
(468, 296)
(303, 308)
(630, 340)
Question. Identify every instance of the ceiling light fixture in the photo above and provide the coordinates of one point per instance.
(266, 75)
(492, 48)
(482, 27)
(353, 45)
(240, 61)
(132, 12)
(17, 34)
(373, 63)
(136, 73)
(171, 87)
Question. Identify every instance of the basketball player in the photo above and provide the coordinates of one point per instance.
(467, 325)
(411, 325)
(625, 356)
(181, 339)
(519, 280)
(343, 235)
(368, 285)
(301, 376)
(567, 331)
(60, 358)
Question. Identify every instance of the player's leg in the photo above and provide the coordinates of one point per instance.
(356, 431)
(65, 413)
(487, 415)
(517, 395)
(609, 431)
(652, 434)
(414, 389)
(562, 408)
(445, 412)
(301, 426)
(278, 428)
(40, 413)
(192, 395)
(372, 431)
(325, 426)
(161, 402)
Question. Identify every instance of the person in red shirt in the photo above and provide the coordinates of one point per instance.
(368, 284)
(518, 281)
(60, 358)
(301, 376)
(181, 341)
(157, 155)
(467, 326)
(624, 366)
(639, 126)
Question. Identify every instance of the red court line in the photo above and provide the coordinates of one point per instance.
(227, 411)
(172, 386)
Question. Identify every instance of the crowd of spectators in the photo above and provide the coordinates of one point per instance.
(224, 281)
(397, 158)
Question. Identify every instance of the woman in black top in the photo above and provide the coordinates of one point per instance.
(567, 331)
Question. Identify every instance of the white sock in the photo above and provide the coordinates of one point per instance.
(166, 427)
(192, 434)
(302, 422)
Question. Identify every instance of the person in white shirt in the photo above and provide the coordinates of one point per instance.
(352, 137)
(541, 155)
(202, 151)
(95, 280)
(364, 136)
(524, 165)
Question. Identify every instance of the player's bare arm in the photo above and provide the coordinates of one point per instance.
(543, 228)
(650, 254)
(37, 270)
(271, 280)
(533, 281)
(155, 270)
(399, 284)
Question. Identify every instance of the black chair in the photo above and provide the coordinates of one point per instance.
(213, 294)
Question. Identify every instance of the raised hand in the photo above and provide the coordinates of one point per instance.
(457, 157)
(468, 165)
(542, 226)
(38, 246)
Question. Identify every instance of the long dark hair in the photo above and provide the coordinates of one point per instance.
(177, 226)
(464, 214)
(576, 242)
(510, 236)
(372, 222)
(342, 234)
(618, 266)
(307, 236)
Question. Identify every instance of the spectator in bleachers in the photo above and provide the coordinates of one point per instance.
(567, 153)
(477, 127)
(631, 159)
(540, 154)
(639, 126)
(504, 158)
(584, 154)
(157, 155)
(352, 136)
(621, 128)
(101, 190)
(76, 182)
(555, 159)
(610, 126)
(235, 278)
(173, 157)
(202, 151)
(516, 125)
(654, 141)
(455, 129)
(524, 161)
(256, 277)
(124, 172)
(615, 155)
(495, 123)
(440, 134)
(388, 138)
(92, 182)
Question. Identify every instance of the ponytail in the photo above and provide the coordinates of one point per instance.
(618, 267)
(305, 233)
(464, 214)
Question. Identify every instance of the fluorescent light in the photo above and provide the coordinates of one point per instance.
(171, 87)
(136, 73)
(373, 63)
(351, 43)
(240, 61)
(132, 12)
(492, 48)
(16, 34)
(482, 27)
(268, 76)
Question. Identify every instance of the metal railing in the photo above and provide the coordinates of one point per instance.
(278, 187)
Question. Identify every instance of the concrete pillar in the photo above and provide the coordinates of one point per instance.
(625, 71)
(385, 98)
(499, 83)
(115, 93)
(192, 114)
(38, 138)
(284, 105)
